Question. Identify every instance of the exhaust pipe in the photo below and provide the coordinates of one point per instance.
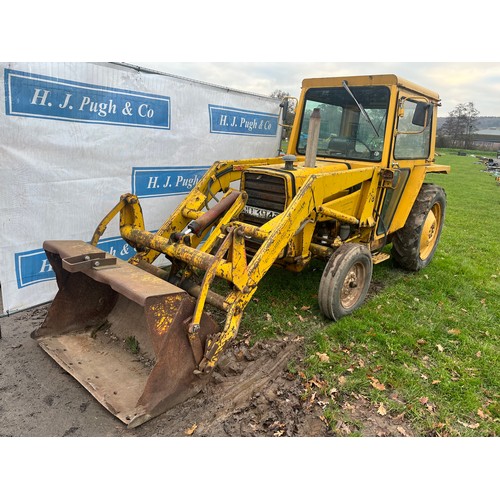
(313, 138)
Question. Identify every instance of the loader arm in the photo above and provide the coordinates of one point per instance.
(223, 253)
(217, 179)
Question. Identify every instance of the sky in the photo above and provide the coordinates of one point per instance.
(267, 45)
(455, 82)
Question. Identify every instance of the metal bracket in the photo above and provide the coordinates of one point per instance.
(95, 260)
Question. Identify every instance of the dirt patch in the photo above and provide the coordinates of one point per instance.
(251, 393)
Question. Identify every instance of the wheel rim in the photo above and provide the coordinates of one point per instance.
(430, 231)
(353, 286)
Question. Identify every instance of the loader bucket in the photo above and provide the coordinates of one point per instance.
(122, 332)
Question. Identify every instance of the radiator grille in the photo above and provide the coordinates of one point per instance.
(266, 197)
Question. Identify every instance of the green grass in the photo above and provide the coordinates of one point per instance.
(424, 345)
(132, 344)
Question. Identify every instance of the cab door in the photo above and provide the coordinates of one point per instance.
(410, 154)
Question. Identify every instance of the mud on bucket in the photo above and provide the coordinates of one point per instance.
(121, 332)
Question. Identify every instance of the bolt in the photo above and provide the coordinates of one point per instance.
(194, 328)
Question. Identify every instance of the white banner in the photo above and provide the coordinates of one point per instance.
(76, 136)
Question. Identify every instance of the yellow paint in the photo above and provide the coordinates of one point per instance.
(331, 194)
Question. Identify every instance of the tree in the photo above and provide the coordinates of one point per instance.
(458, 129)
(281, 94)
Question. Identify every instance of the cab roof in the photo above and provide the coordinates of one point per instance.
(389, 80)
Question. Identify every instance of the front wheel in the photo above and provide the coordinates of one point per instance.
(345, 280)
(413, 246)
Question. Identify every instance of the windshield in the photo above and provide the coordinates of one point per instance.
(345, 131)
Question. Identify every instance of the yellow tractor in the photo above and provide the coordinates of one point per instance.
(143, 338)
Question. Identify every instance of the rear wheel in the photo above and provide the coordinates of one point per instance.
(413, 246)
(345, 281)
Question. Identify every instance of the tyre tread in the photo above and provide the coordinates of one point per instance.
(329, 284)
(406, 242)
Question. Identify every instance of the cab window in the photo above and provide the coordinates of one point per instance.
(346, 132)
(413, 136)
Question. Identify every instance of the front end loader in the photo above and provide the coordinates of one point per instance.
(143, 338)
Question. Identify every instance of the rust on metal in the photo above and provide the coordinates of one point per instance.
(335, 214)
(199, 259)
(105, 221)
(249, 230)
(95, 260)
(92, 319)
(210, 216)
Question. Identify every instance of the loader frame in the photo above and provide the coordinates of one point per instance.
(222, 252)
(329, 208)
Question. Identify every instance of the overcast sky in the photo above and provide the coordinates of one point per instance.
(456, 82)
(270, 30)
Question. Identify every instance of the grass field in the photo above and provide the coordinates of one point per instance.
(424, 346)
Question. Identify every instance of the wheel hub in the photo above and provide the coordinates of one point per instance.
(430, 232)
(353, 285)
